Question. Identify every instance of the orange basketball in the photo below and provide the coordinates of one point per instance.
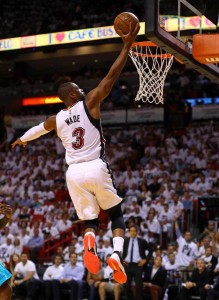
(122, 22)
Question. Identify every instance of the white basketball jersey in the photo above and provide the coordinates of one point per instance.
(80, 133)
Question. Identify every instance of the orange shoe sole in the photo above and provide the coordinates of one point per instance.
(118, 274)
(91, 260)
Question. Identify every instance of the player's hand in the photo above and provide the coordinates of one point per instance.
(131, 35)
(19, 142)
(5, 210)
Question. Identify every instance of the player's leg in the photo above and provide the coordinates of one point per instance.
(87, 210)
(118, 229)
(5, 291)
(91, 260)
(109, 201)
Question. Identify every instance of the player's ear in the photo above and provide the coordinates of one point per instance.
(73, 95)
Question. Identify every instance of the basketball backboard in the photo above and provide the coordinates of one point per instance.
(172, 25)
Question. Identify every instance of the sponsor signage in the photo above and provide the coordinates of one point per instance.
(65, 37)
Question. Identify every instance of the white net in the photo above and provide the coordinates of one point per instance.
(152, 64)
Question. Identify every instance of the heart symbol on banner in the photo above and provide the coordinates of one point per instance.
(60, 36)
(195, 21)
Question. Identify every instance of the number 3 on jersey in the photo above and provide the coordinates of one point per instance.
(78, 135)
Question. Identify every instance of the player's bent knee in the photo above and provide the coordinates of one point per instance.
(91, 224)
(115, 215)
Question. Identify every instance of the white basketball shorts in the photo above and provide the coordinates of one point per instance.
(90, 187)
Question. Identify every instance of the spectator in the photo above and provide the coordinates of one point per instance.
(108, 285)
(173, 277)
(71, 278)
(155, 279)
(209, 259)
(7, 249)
(53, 272)
(187, 250)
(51, 230)
(18, 247)
(199, 282)
(14, 260)
(107, 247)
(213, 292)
(135, 257)
(205, 243)
(23, 276)
(60, 251)
(34, 244)
(94, 281)
(64, 223)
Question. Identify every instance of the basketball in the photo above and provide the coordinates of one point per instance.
(122, 21)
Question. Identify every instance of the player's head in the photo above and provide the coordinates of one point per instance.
(70, 92)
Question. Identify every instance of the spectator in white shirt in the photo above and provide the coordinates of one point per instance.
(176, 206)
(132, 192)
(166, 218)
(146, 205)
(7, 249)
(53, 272)
(151, 228)
(206, 242)
(107, 247)
(64, 223)
(173, 276)
(200, 162)
(210, 260)
(144, 193)
(187, 250)
(23, 236)
(18, 247)
(160, 204)
(51, 230)
(23, 277)
(203, 187)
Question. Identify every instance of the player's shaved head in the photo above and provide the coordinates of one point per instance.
(65, 89)
(70, 93)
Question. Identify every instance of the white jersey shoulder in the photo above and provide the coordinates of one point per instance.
(80, 133)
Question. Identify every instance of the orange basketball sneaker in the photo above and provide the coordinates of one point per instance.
(91, 260)
(115, 263)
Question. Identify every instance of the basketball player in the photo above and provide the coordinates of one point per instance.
(5, 275)
(89, 178)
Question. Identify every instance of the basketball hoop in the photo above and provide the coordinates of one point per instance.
(152, 64)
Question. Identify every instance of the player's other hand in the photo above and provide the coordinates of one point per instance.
(5, 210)
(19, 142)
(131, 35)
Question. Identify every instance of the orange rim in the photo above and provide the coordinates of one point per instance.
(148, 44)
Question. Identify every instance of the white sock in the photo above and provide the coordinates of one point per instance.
(90, 232)
(118, 243)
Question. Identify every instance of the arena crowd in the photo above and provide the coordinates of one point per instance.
(160, 177)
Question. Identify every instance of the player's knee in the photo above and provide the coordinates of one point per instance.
(115, 215)
(91, 224)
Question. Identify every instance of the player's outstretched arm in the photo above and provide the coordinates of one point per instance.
(103, 89)
(36, 131)
(7, 212)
